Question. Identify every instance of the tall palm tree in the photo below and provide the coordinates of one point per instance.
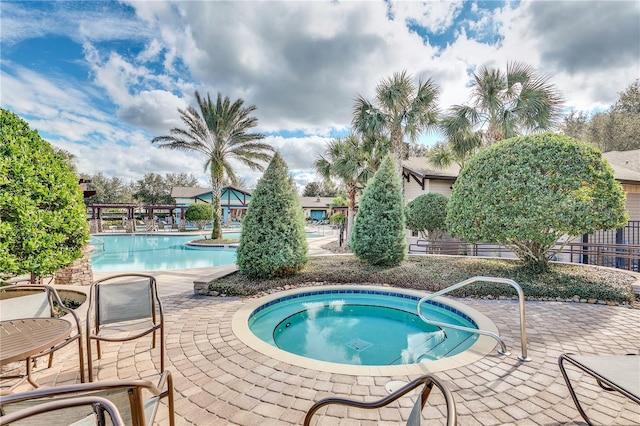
(353, 161)
(401, 110)
(505, 105)
(220, 132)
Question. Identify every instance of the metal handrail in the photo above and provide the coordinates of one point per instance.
(503, 348)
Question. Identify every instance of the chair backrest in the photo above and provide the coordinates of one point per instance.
(26, 302)
(127, 398)
(88, 410)
(124, 301)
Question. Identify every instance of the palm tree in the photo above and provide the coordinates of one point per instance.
(461, 144)
(353, 161)
(400, 109)
(505, 105)
(219, 131)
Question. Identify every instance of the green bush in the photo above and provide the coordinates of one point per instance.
(200, 213)
(273, 240)
(527, 192)
(379, 230)
(339, 201)
(427, 215)
(43, 222)
(338, 219)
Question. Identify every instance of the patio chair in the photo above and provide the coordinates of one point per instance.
(135, 403)
(415, 417)
(31, 301)
(53, 410)
(122, 308)
(619, 373)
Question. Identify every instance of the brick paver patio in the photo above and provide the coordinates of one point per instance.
(220, 380)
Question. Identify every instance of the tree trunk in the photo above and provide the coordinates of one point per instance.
(350, 213)
(398, 148)
(216, 184)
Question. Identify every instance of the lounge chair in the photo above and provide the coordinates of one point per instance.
(414, 418)
(122, 308)
(136, 402)
(23, 306)
(619, 373)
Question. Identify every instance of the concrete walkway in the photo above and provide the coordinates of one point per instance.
(219, 380)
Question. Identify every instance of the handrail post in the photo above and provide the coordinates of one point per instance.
(503, 349)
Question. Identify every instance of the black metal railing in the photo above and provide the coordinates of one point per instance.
(618, 248)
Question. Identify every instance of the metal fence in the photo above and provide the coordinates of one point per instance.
(616, 249)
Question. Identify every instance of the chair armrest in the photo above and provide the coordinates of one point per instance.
(426, 380)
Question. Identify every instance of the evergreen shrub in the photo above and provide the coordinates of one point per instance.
(529, 192)
(379, 235)
(427, 215)
(43, 219)
(273, 240)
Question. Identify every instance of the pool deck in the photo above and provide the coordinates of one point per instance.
(219, 380)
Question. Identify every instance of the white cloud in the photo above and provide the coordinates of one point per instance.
(435, 15)
(301, 63)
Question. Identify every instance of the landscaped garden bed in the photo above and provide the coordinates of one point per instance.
(564, 282)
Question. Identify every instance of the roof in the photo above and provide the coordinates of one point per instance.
(192, 191)
(625, 165)
(315, 202)
(420, 167)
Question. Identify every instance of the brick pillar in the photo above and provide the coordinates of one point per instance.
(79, 273)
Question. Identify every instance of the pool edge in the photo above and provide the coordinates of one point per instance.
(483, 346)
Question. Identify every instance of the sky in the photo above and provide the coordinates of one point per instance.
(101, 79)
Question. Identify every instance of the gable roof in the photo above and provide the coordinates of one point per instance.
(625, 165)
(315, 202)
(192, 191)
(419, 166)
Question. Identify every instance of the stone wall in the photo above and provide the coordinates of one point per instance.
(79, 273)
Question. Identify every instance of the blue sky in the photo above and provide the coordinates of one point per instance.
(100, 79)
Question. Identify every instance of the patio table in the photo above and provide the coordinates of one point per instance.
(22, 339)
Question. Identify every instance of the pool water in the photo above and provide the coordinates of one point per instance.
(152, 252)
(361, 328)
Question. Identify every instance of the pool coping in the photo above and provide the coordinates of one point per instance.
(483, 346)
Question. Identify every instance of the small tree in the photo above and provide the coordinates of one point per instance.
(427, 215)
(200, 213)
(339, 201)
(379, 231)
(273, 240)
(43, 222)
(338, 219)
(527, 192)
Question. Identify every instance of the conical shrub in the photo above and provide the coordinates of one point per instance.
(379, 232)
(273, 240)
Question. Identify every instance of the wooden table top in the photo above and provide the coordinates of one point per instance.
(22, 338)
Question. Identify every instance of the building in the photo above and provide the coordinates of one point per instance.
(316, 208)
(233, 201)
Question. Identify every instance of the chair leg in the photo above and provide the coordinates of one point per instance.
(81, 359)
(89, 362)
(572, 392)
(50, 360)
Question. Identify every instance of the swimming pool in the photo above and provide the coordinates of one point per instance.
(152, 252)
(361, 330)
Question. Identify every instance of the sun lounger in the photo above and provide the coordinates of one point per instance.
(619, 373)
